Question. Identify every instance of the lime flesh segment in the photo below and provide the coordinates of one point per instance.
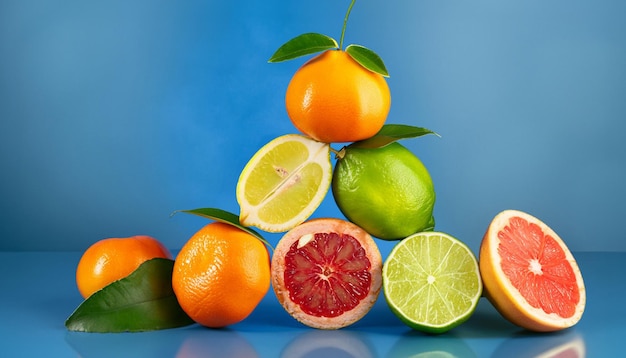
(432, 282)
(284, 182)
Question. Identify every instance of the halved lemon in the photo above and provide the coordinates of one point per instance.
(283, 183)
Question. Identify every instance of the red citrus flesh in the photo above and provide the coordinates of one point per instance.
(327, 273)
(536, 265)
(529, 274)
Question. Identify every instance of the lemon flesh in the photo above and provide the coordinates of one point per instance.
(283, 183)
(432, 282)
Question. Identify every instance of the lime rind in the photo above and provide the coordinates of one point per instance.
(284, 183)
(432, 282)
(387, 191)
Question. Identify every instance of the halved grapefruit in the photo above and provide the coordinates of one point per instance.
(327, 273)
(529, 274)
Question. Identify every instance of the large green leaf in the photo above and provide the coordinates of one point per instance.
(368, 59)
(142, 301)
(302, 45)
(225, 217)
(390, 133)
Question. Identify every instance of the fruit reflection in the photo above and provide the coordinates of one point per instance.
(414, 344)
(320, 343)
(561, 344)
(216, 343)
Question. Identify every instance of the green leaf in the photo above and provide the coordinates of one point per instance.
(142, 301)
(225, 217)
(302, 45)
(368, 59)
(390, 133)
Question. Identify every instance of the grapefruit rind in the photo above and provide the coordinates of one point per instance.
(505, 297)
(283, 183)
(432, 262)
(303, 231)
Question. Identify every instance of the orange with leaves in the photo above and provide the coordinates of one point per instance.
(340, 95)
(112, 259)
(333, 98)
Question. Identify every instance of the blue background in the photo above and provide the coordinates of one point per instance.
(113, 114)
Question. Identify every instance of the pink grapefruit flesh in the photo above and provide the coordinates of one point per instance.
(529, 274)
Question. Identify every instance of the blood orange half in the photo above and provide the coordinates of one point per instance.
(327, 273)
(529, 274)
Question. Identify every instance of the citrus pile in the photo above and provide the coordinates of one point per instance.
(327, 273)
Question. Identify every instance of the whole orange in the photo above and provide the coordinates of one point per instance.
(332, 98)
(112, 259)
(220, 275)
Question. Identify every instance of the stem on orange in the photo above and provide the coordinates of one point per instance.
(345, 23)
(339, 154)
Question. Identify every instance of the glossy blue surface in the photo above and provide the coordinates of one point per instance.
(39, 293)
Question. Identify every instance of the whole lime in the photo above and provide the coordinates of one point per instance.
(387, 190)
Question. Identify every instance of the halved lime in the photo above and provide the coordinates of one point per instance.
(432, 282)
(283, 183)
